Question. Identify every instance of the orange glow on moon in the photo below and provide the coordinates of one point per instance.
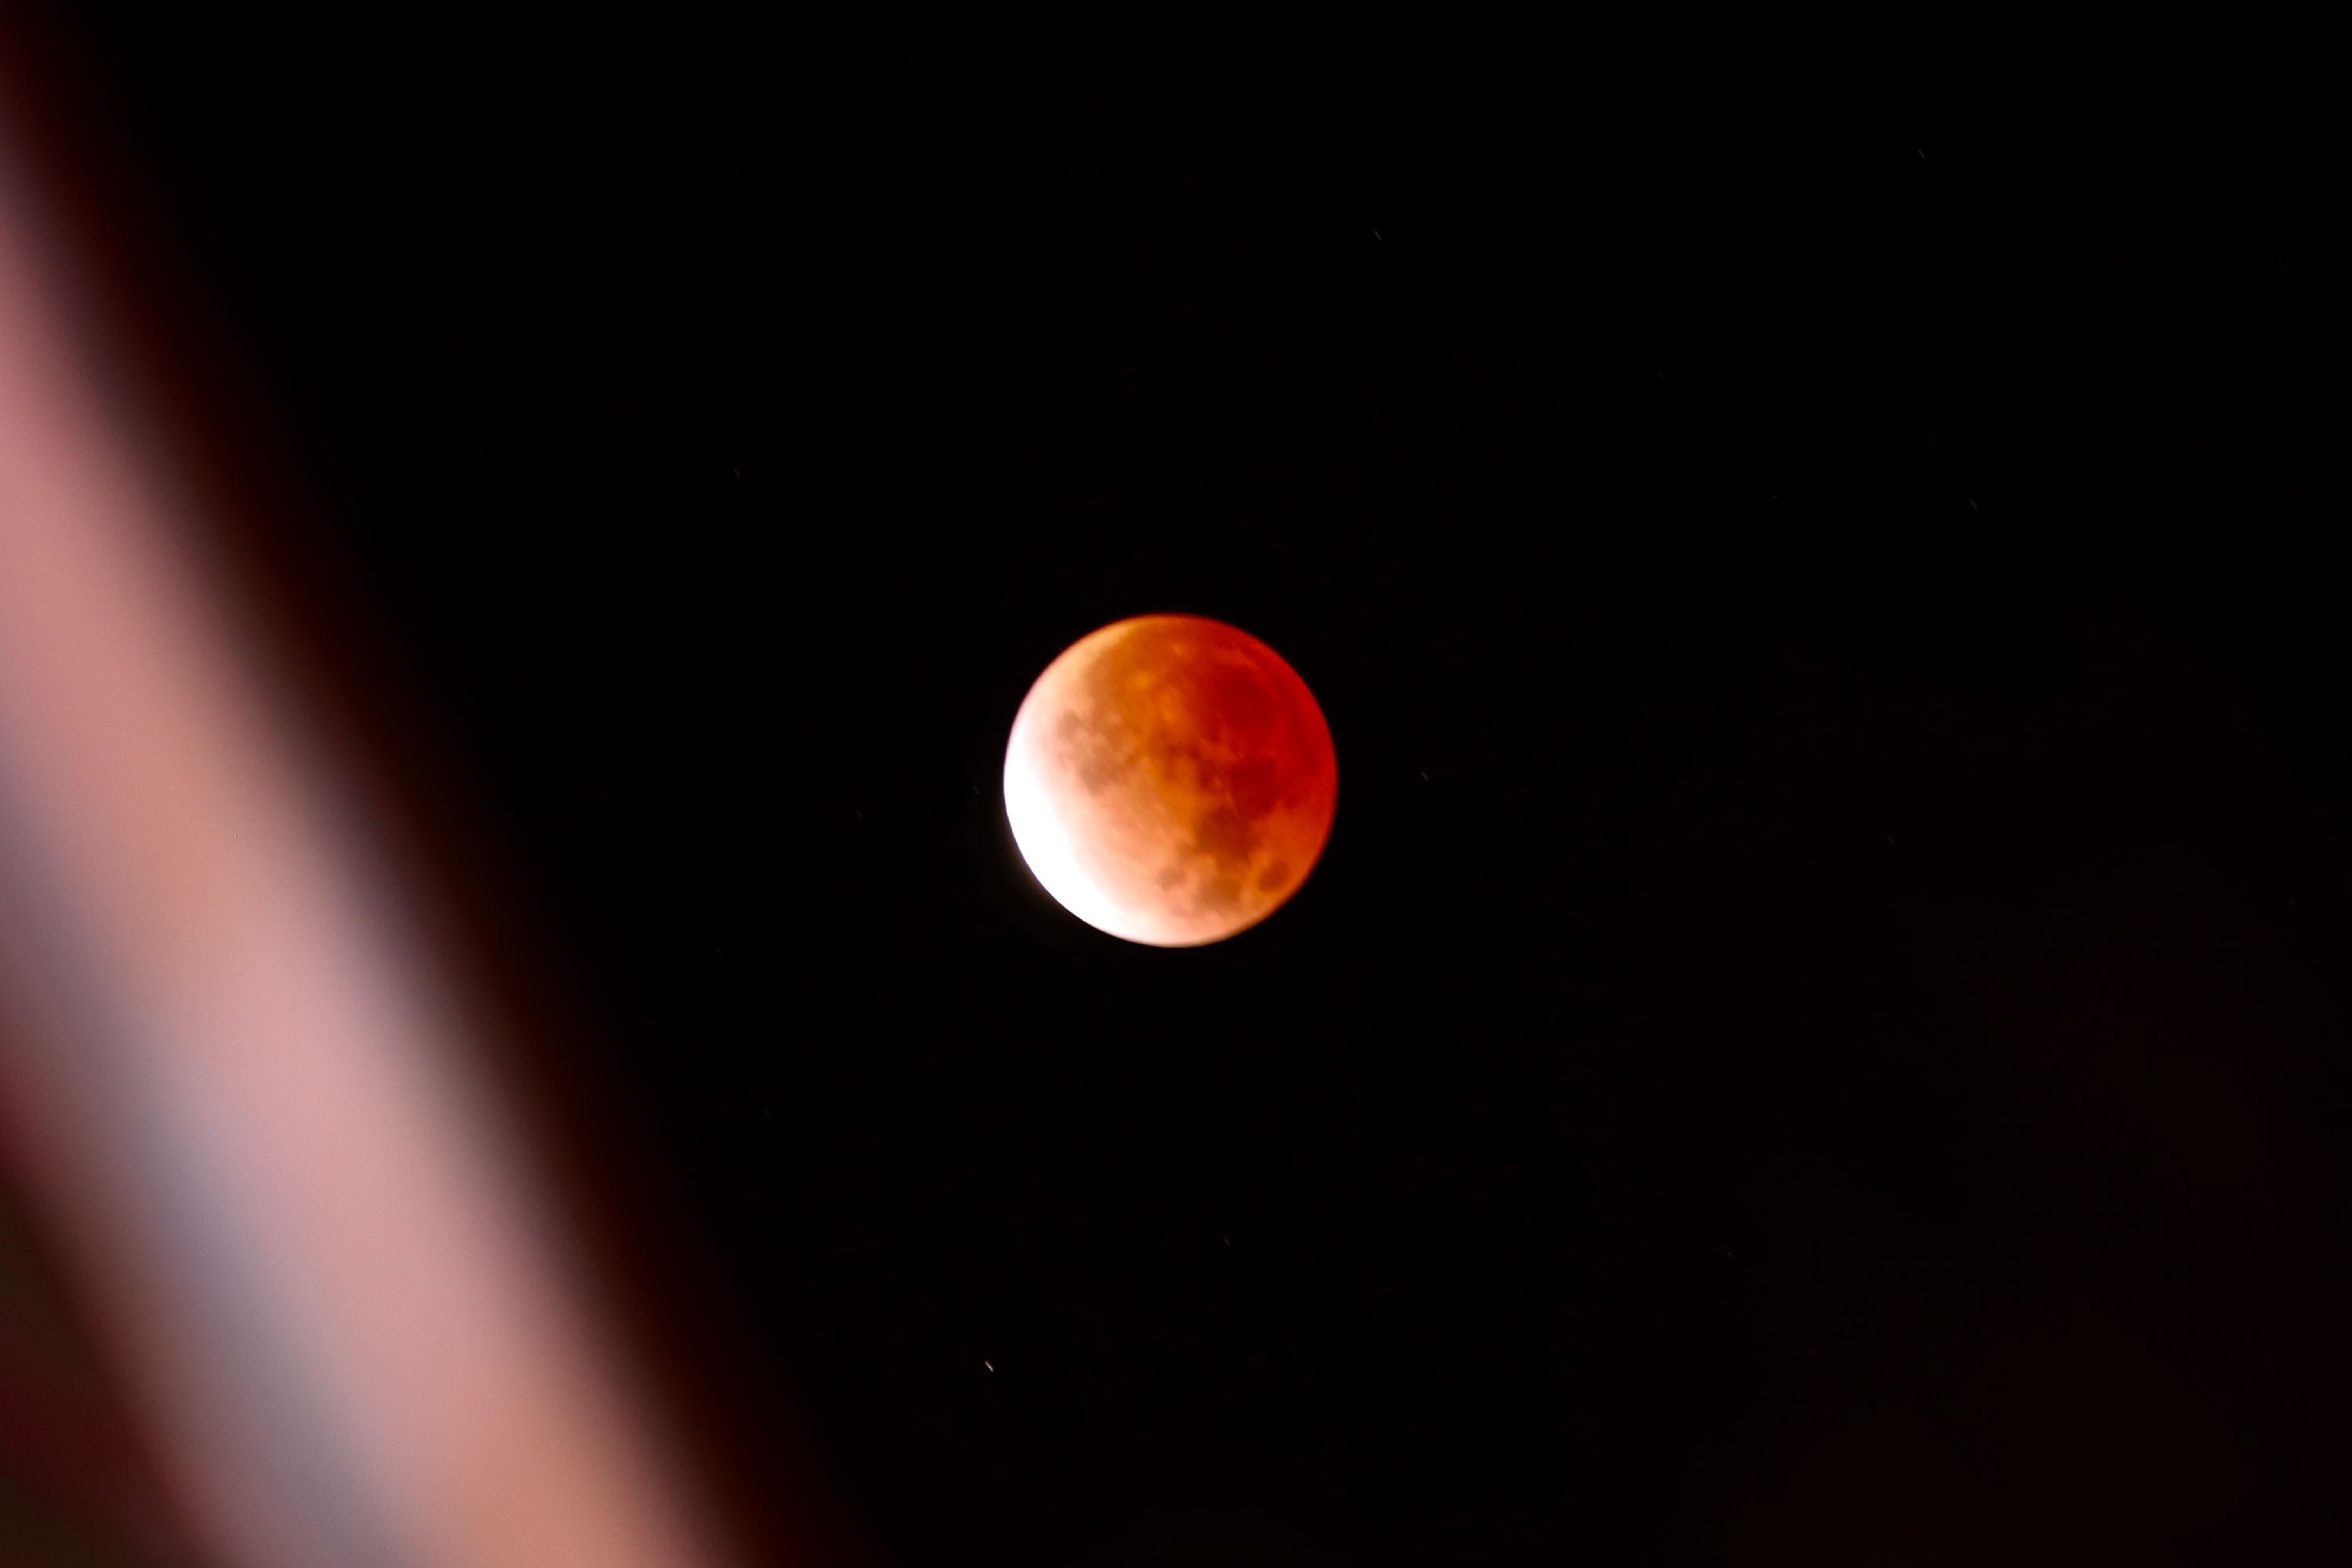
(1171, 780)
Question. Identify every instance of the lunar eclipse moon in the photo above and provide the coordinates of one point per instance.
(1171, 780)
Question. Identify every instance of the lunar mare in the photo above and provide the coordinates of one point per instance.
(1171, 780)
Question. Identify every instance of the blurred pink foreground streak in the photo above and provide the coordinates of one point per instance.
(230, 1073)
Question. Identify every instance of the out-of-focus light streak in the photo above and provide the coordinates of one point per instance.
(230, 1069)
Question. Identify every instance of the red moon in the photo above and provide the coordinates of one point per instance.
(1171, 780)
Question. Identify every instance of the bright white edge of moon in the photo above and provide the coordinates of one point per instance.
(1057, 856)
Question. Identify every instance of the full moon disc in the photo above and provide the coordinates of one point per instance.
(1171, 780)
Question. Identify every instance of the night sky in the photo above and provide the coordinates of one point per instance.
(1819, 1034)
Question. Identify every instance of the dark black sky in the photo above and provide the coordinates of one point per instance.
(1818, 1037)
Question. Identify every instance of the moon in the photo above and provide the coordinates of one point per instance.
(1171, 780)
